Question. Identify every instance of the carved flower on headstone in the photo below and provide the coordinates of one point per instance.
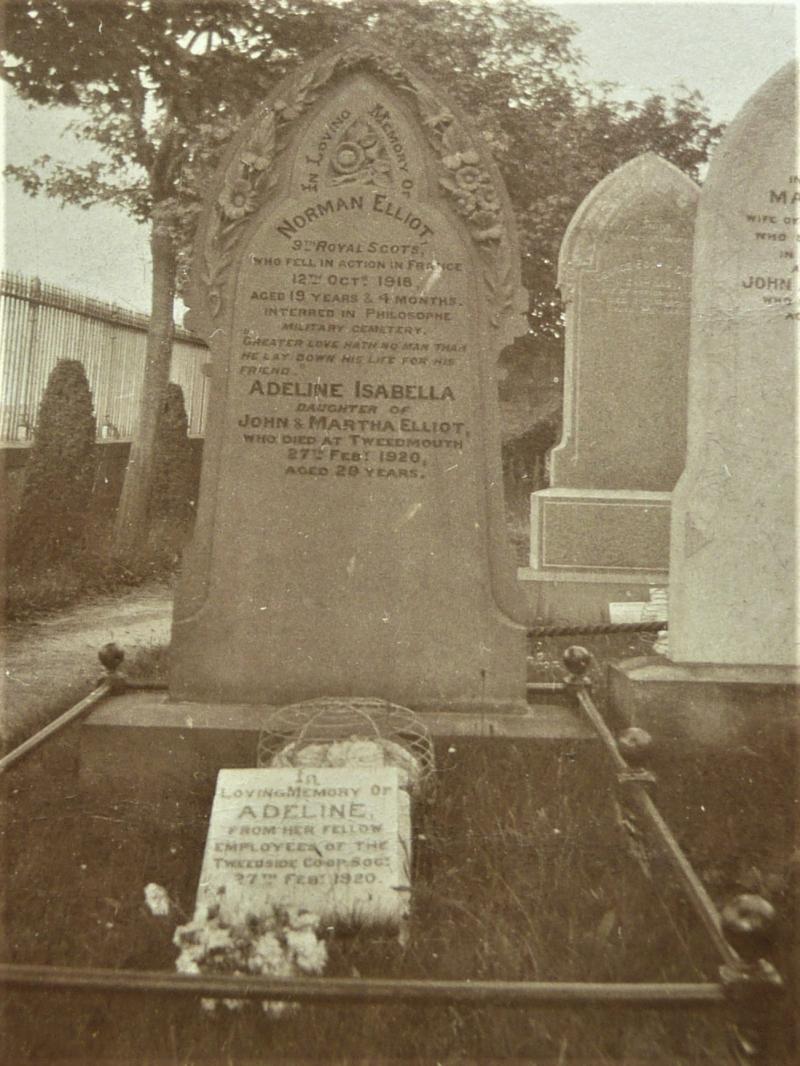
(286, 112)
(495, 233)
(468, 177)
(433, 115)
(484, 219)
(457, 160)
(237, 200)
(487, 197)
(455, 142)
(254, 158)
(465, 203)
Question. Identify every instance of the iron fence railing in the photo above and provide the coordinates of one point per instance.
(748, 987)
(42, 323)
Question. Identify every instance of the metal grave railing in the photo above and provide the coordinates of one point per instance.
(747, 991)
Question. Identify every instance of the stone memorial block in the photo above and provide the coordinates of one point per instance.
(356, 276)
(733, 589)
(732, 674)
(624, 274)
(334, 842)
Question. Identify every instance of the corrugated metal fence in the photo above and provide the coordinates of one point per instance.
(42, 323)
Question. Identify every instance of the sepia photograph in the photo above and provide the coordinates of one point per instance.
(399, 461)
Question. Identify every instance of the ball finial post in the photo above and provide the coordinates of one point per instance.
(748, 923)
(111, 656)
(577, 661)
(635, 746)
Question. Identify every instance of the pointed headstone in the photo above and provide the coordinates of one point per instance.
(601, 531)
(356, 275)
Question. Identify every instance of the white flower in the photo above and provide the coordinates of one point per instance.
(300, 919)
(310, 954)
(218, 939)
(185, 963)
(281, 943)
(268, 956)
(190, 938)
(277, 1007)
(372, 753)
(157, 900)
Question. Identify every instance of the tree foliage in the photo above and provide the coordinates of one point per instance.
(58, 477)
(163, 84)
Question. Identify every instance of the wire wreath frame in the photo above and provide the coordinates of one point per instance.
(290, 730)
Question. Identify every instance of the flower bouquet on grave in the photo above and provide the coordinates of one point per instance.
(280, 943)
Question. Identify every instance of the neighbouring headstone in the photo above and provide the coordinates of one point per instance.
(356, 276)
(333, 841)
(733, 595)
(733, 611)
(600, 533)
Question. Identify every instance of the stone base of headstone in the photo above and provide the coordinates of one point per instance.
(143, 744)
(590, 548)
(707, 705)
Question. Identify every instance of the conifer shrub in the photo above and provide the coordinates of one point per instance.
(171, 505)
(51, 522)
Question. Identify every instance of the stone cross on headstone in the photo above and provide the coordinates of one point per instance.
(601, 531)
(356, 275)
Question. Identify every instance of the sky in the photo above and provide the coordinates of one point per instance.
(725, 50)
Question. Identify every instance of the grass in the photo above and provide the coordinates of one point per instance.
(47, 585)
(523, 871)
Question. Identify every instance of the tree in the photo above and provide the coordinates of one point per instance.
(58, 480)
(164, 83)
(172, 478)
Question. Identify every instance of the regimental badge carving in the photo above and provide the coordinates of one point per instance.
(360, 157)
(251, 174)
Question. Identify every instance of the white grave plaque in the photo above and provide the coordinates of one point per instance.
(627, 612)
(333, 841)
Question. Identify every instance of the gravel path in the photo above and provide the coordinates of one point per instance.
(52, 662)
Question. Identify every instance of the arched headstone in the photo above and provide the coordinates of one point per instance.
(733, 668)
(601, 531)
(356, 275)
(734, 533)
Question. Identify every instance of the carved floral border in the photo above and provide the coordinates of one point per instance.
(251, 176)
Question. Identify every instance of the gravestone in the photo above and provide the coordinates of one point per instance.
(738, 496)
(356, 276)
(600, 533)
(333, 841)
(733, 597)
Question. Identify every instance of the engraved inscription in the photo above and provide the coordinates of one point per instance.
(347, 366)
(773, 230)
(327, 837)
(644, 267)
